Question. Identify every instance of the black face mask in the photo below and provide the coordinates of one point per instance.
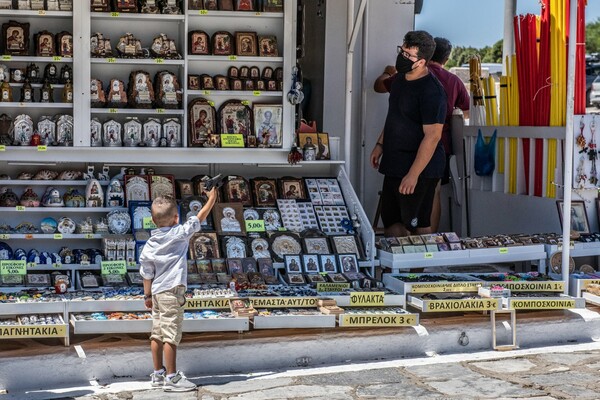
(403, 64)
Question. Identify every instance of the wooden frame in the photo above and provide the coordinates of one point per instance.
(267, 46)
(291, 188)
(579, 219)
(323, 149)
(204, 245)
(15, 37)
(228, 219)
(311, 263)
(244, 5)
(245, 44)
(237, 190)
(194, 82)
(222, 43)
(264, 192)
(328, 263)
(293, 265)
(348, 263)
(64, 44)
(202, 124)
(199, 43)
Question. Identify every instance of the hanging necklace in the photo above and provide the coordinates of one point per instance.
(593, 153)
(581, 142)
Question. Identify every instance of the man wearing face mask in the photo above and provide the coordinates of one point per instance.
(456, 97)
(409, 151)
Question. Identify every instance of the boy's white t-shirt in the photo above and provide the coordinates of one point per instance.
(164, 257)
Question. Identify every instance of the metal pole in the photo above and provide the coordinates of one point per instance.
(568, 176)
(508, 44)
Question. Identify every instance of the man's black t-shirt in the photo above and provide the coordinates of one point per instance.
(412, 104)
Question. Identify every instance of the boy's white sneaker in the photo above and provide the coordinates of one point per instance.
(178, 383)
(157, 379)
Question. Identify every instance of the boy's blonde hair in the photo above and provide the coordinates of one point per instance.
(163, 210)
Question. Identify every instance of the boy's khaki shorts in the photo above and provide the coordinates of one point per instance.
(167, 315)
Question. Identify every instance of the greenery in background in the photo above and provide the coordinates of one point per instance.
(493, 54)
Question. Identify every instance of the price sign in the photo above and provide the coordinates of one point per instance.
(428, 256)
(29, 236)
(245, 102)
(367, 298)
(206, 92)
(41, 12)
(232, 140)
(203, 12)
(113, 110)
(58, 236)
(257, 93)
(6, 58)
(88, 236)
(257, 14)
(20, 208)
(114, 267)
(42, 148)
(114, 14)
(57, 58)
(13, 267)
(159, 60)
(233, 58)
(148, 223)
(111, 60)
(503, 250)
(255, 225)
(160, 110)
(56, 265)
(2, 147)
(4, 236)
(211, 103)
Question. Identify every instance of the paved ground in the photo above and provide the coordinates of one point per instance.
(566, 372)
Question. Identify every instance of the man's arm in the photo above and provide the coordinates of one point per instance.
(379, 85)
(433, 134)
(377, 151)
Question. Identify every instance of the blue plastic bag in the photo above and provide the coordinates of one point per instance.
(485, 155)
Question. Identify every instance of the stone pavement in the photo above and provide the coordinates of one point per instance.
(559, 372)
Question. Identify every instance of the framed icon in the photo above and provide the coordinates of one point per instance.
(579, 219)
(245, 43)
(229, 218)
(244, 5)
(222, 43)
(267, 46)
(348, 263)
(268, 120)
(199, 43)
(292, 264)
(311, 263)
(264, 191)
(15, 37)
(328, 263)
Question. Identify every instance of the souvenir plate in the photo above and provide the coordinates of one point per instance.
(119, 222)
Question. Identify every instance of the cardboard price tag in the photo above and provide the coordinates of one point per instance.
(13, 267)
(113, 267)
(255, 225)
(232, 140)
(148, 223)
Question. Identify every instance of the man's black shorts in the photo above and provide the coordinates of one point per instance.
(413, 210)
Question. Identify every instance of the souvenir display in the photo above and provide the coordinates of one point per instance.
(29, 198)
(207, 82)
(6, 127)
(152, 132)
(69, 175)
(112, 136)
(161, 185)
(202, 128)
(45, 175)
(235, 117)
(100, 5)
(4, 73)
(292, 264)
(310, 263)
(331, 218)
(199, 43)
(138, 210)
(66, 225)
(193, 82)
(17, 75)
(250, 214)
(95, 132)
(66, 74)
(100, 46)
(204, 245)
(117, 98)
(46, 93)
(222, 43)
(264, 192)
(328, 263)
(64, 130)
(346, 244)
(228, 218)
(51, 74)
(6, 94)
(325, 191)
(163, 47)
(307, 215)
(283, 243)
(267, 46)
(73, 198)
(141, 92)
(316, 245)
(171, 133)
(237, 190)
(272, 219)
(115, 196)
(268, 120)
(64, 44)
(172, 7)
(137, 188)
(94, 194)
(27, 92)
(348, 263)
(126, 6)
(168, 92)
(15, 37)
(132, 132)
(222, 83)
(6, 4)
(44, 44)
(8, 198)
(260, 248)
(149, 7)
(243, 5)
(67, 94)
(233, 247)
(23, 130)
(119, 222)
(184, 188)
(98, 98)
(190, 207)
(245, 43)
(33, 73)
(290, 215)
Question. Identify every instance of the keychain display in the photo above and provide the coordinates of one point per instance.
(585, 154)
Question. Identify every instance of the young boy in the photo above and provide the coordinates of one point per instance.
(163, 266)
